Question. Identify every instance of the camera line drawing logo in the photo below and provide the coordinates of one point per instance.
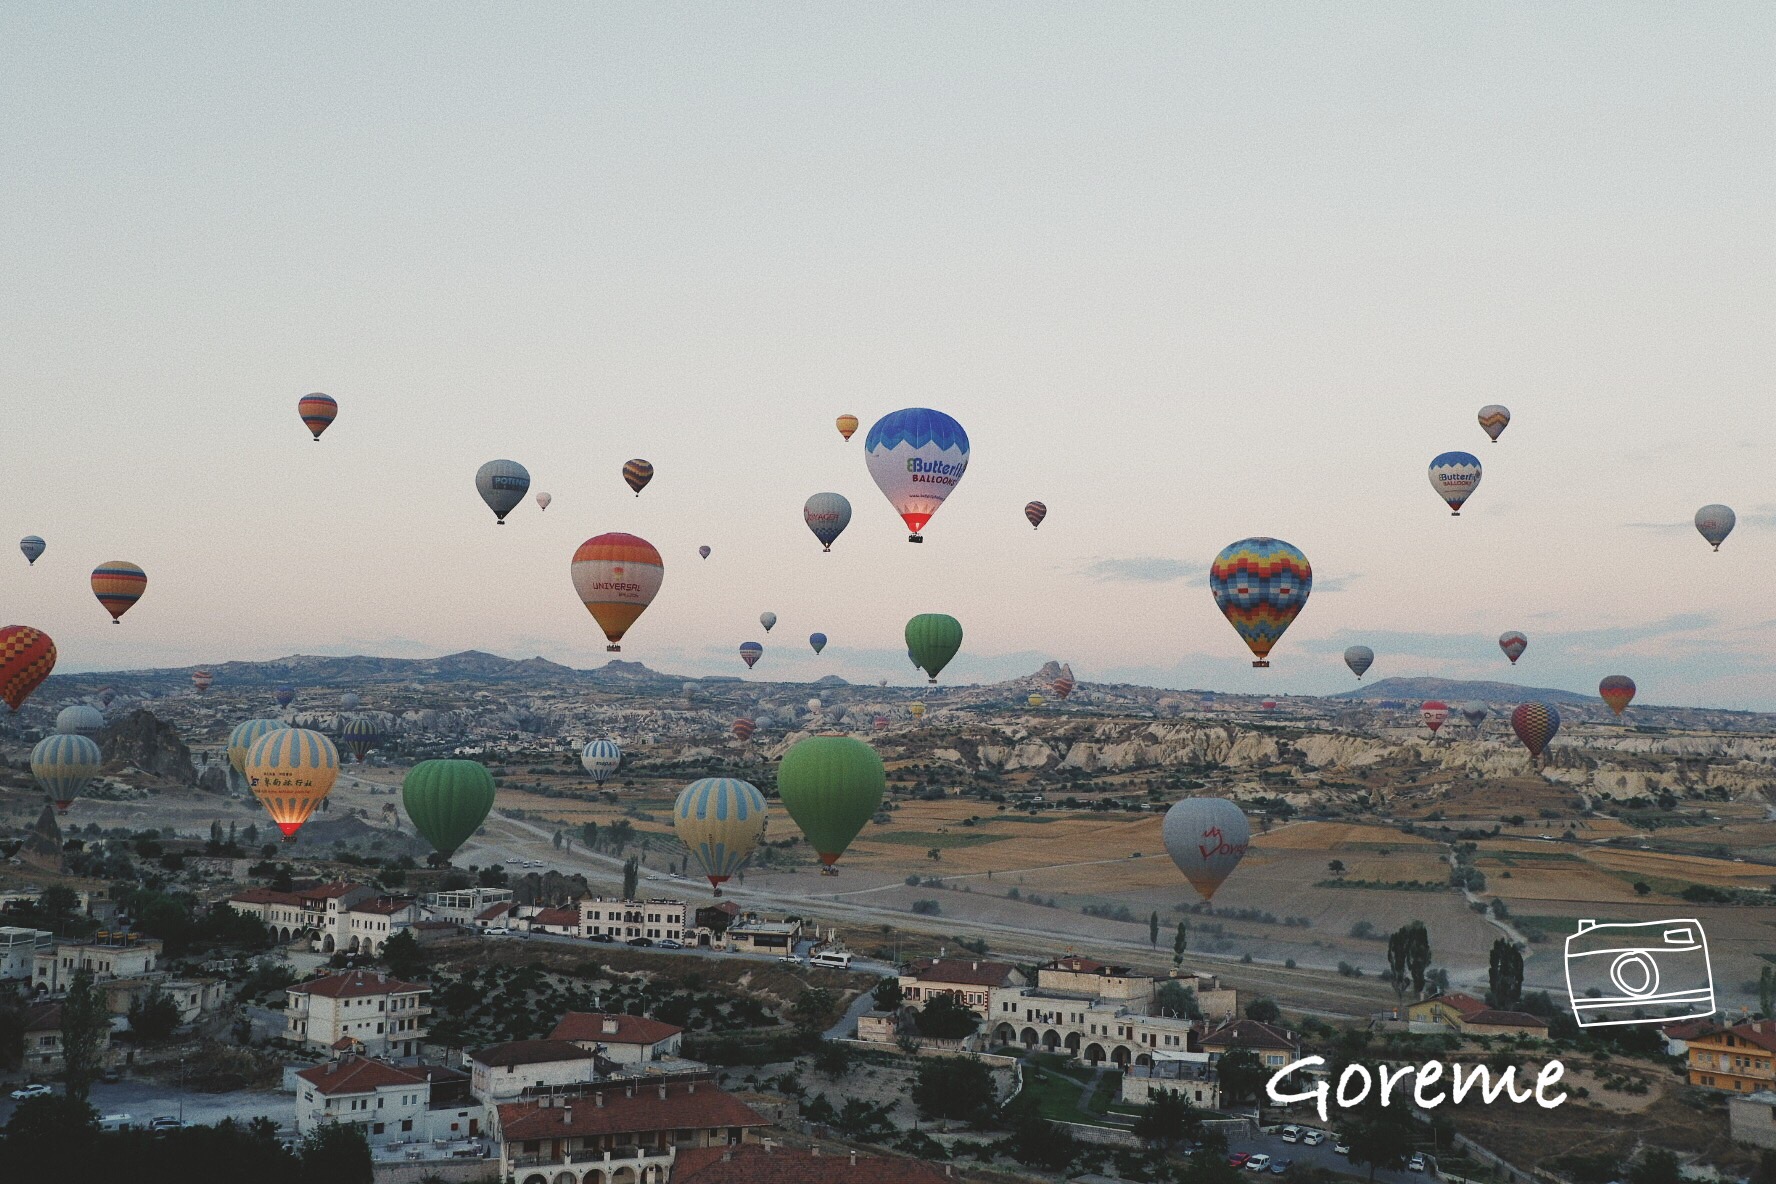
(1616, 969)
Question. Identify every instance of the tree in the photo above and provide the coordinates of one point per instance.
(1242, 1074)
(1153, 929)
(1175, 999)
(12, 1038)
(402, 955)
(1767, 990)
(153, 1016)
(85, 1020)
(58, 906)
(1336, 867)
(1655, 1166)
(1642, 888)
(631, 877)
(888, 996)
(1409, 956)
(952, 1087)
(812, 1006)
(556, 840)
(1504, 974)
(1436, 981)
(55, 1119)
(1265, 1011)
(337, 1153)
(1180, 943)
(1167, 1120)
(589, 835)
(1036, 1142)
(946, 1018)
(1379, 1136)
(832, 1059)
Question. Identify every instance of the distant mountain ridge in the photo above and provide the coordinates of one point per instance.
(321, 670)
(1456, 690)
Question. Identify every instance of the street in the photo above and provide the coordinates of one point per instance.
(144, 1100)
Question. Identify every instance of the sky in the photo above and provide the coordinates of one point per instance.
(1186, 273)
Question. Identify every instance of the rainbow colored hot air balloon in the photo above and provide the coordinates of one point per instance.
(638, 473)
(241, 739)
(360, 736)
(1536, 725)
(831, 785)
(1716, 522)
(916, 456)
(33, 548)
(118, 585)
(617, 576)
(1206, 838)
(502, 484)
(317, 411)
(847, 425)
(743, 729)
(1359, 658)
(284, 695)
(751, 652)
(1455, 476)
(201, 679)
(1434, 712)
(1260, 585)
(1494, 419)
(447, 800)
(601, 759)
(1035, 512)
(291, 771)
(1618, 691)
(827, 515)
(1513, 643)
(63, 765)
(933, 639)
(720, 820)
(27, 656)
(1063, 686)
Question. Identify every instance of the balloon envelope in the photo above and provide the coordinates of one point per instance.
(933, 639)
(1716, 523)
(1063, 686)
(916, 710)
(720, 820)
(847, 425)
(118, 585)
(284, 695)
(767, 620)
(63, 764)
(827, 515)
(743, 728)
(601, 759)
(502, 484)
(1206, 838)
(1618, 691)
(543, 501)
(617, 576)
(703, 551)
(831, 785)
(201, 679)
(1513, 643)
(1035, 700)
(80, 720)
(638, 473)
(1474, 712)
(916, 456)
(1260, 585)
(317, 412)
(1035, 512)
(1434, 711)
(818, 641)
(350, 700)
(27, 656)
(1359, 658)
(32, 546)
(751, 652)
(1494, 419)
(1455, 476)
(291, 770)
(1535, 725)
(447, 800)
(245, 733)
(360, 735)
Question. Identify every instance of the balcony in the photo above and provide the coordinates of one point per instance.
(634, 1156)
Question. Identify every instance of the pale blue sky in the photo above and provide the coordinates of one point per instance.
(1185, 272)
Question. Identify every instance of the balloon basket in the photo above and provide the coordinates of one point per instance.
(913, 538)
(1261, 663)
(613, 649)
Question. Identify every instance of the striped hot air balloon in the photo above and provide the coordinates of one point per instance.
(201, 679)
(1260, 584)
(80, 720)
(751, 652)
(638, 473)
(245, 733)
(601, 759)
(1063, 685)
(1494, 419)
(118, 585)
(881, 723)
(1035, 512)
(291, 771)
(720, 820)
(27, 656)
(1434, 712)
(743, 729)
(63, 765)
(360, 735)
(1618, 691)
(317, 411)
(847, 425)
(1535, 725)
(1513, 643)
(617, 576)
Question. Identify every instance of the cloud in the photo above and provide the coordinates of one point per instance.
(1148, 569)
(1334, 583)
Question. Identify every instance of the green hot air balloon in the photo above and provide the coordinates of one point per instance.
(447, 801)
(831, 785)
(933, 639)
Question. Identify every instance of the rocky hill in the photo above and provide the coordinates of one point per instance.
(141, 740)
(1455, 690)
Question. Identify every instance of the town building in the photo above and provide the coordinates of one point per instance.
(463, 905)
(1471, 1017)
(1751, 1119)
(370, 923)
(752, 934)
(1097, 980)
(1194, 1081)
(18, 950)
(193, 997)
(563, 921)
(879, 1027)
(1091, 1030)
(629, 1134)
(626, 919)
(43, 1043)
(394, 1104)
(766, 1163)
(624, 1039)
(382, 1015)
(1679, 1032)
(1734, 1059)
(317, 912)
(530, 1068)
(108, 955)
(979, 985)
(1274, 1046)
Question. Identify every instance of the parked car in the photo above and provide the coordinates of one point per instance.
(165, 1123)
(34, 1090)
(1258, 1163)
(116, 1122)
(602, 937)
(497, 931)
(1279, 1166)
(110, 1077)
(1341, 1147)
(666, 943)
(1238, 1159)
(791, 959)
(1416, 1164)
(641, 941)
(1291, 1134)
(1312, 1137)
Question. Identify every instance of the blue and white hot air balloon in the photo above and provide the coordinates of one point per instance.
(63, 764)
(82, 719)
(827, 515)
(601, 758)
(916, 456)
(720, 820)
(1455, 476)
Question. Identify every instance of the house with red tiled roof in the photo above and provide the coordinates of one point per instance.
(316, 912)
(43, 1048)
(521, 1068)
(617, 1134)
(973, 982)
(1472, 1017)
(1448, 1009)
(767, 1163)
(392, 1104)
(1679, 1033)
(384, 1014)
(1274, 1046)
(625, 1039)
(563, 922)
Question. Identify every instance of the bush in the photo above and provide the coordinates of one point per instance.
(927, 908)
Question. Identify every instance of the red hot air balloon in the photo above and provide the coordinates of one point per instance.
(1434, 711)
(317, 411)
(201, 679)
(1063, 686)
(1618, 691)
(743, 729)
(1535, 724)
(1513, 643)
(27, 656)
(1269, 705)
(881, 723)
(1035, 512)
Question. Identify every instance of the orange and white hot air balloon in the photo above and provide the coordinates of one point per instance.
(847, 425)
(118, 585)
(291, 771)
(617, 576)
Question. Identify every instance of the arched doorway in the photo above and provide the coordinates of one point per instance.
(565, 1178)
(327, 944)
(1094, 1054)
(1029, 1038)
(1120, 1055)
(1072, 1043)
(1144, 1059)
(1004, 1034)
(1051, 1040)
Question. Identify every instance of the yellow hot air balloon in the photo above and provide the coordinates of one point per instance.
(720, 820)
(917, 711)
(291, 771)
(1036, 700)
(847, 425)
(240, 741)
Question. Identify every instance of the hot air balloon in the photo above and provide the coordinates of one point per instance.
(360, 735)
(751, 652)
(703, 551)
(502, 484)
(638, 473)
(105, 697)
(916, 710)
(317, 411)
(1513, 643)
(1063, 686)
(350, 701)
(63, 765)
(27, 656)
(814, 706)
(118, 585)
(1535, 725)
(1035, 700)
(847, 424)
(601, 759)
(827, 515)
(1206, 838)
(1359, 658)
(242, 738)
(720, 820)
(1618, 691)
(831, 785)
(933, 639)
(767, 620)
(201, 679)
(291, 771)
(881, 723)
(1035, 512)
(1455, 476)
(743, 729)
(916, 456)
(1260, 585)
(1434, 711)
(818, 641)
(284, 695)
(1494, 419)
(1269, 704)
(543, 501)
(1716, 522)
(33, 547)
(80, 720)
(617, 576)
(447, 800)
(1474, 712)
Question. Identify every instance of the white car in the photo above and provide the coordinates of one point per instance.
(1313, 1138)
(497, 931)
(1258, 1163)
(791, 959)
(31, 1091)
(1416, 1164)
(1291, 1134)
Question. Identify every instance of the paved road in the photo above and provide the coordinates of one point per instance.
(1321, 1156)
(858, 965)
(143, 1100)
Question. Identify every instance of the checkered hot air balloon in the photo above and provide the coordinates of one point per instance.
(1536, 725)
(1260, 585)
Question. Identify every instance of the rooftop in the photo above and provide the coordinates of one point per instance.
(970, 973)
(359, 1075)
(1466, 1004)
(606, 1028)
(384, 905)
(529, 1052)
(753, 1163)
(1252, 1034)
(1493, 1017)
(355, 983)
(636, 1109)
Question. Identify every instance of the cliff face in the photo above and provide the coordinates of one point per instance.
(141, 740)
